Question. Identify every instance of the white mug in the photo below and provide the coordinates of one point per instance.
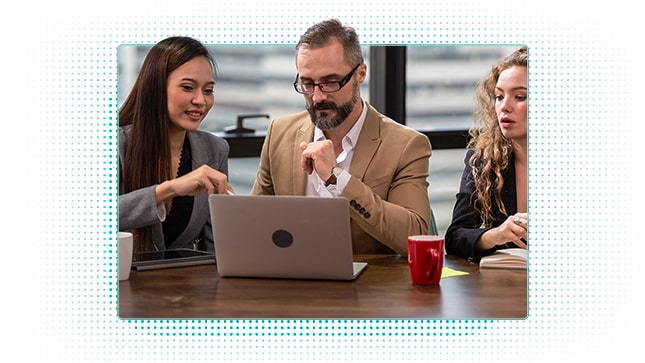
(125, 255)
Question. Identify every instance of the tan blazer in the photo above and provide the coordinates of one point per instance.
(388, 190)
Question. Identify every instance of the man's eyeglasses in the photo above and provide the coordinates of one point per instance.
(308, 88)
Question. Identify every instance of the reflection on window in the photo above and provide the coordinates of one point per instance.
(251, 80)
(257, 79)
(441, 83)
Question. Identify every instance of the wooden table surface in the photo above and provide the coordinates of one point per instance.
(383, 291)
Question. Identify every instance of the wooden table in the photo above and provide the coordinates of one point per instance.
(383, 291)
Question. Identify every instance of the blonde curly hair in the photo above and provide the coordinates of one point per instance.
(492, 149)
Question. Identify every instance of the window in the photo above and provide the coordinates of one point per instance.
(440, 84)
(251, 80)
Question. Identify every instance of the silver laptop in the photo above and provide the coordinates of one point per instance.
(294, 237)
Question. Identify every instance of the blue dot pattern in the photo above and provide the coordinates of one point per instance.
(584, 90)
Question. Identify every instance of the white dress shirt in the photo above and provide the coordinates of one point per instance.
(315, 185)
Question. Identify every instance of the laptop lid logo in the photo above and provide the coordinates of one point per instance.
(282, 238)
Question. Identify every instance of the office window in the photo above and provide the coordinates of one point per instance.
(441, 80)
(251, 80)
(257, 80)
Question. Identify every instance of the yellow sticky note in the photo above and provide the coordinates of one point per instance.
(448, 272)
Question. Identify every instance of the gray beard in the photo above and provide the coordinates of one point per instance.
(327, 122)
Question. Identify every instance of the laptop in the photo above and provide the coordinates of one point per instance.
(291, 237)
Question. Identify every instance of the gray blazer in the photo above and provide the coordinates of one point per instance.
(139, 208)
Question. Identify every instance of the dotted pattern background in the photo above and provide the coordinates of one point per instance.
(61, 285)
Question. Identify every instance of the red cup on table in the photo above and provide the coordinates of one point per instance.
(425, 258)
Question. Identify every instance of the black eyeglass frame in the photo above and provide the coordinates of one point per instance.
(321, 85)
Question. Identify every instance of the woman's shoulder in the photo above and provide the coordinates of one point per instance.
(207, 138)
(206, 135)
(124, 132)
(469, 155)
(125, 128)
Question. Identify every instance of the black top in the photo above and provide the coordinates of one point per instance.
(182, 207)
(466, 226)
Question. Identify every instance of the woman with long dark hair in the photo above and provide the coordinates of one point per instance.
(167, 167)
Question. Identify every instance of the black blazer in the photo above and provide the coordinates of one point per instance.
(466, 226)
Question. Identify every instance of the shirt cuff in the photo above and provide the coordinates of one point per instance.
(341, 182)
(161, 212)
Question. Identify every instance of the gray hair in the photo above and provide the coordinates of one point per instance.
(320, 34)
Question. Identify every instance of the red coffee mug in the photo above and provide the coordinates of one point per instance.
(425, 258)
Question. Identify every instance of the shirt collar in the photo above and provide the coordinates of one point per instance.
(351, 138)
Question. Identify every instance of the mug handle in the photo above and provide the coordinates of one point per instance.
(433, 266)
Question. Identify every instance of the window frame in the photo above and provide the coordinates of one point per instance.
(387, 94)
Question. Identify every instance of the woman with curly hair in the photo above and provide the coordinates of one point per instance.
(490, 212)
